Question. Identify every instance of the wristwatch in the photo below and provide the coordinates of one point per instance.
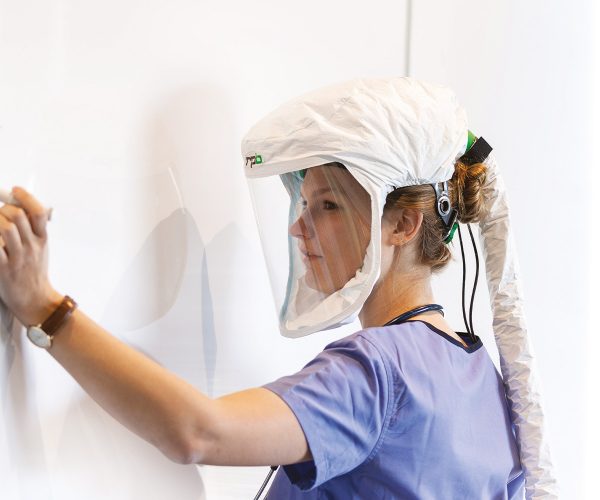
(42, 335)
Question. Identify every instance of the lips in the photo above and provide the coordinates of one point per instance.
(309, 260)
(308, 256)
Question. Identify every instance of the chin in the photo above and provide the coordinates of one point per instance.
(321, 285)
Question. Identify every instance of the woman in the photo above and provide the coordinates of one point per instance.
(405, 408)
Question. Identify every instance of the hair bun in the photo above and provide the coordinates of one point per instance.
(466, 186)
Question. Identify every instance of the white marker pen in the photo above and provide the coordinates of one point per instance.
(6, 197)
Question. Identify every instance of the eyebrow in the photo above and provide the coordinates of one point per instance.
(319, 191)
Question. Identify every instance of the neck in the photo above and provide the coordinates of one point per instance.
(395, 295)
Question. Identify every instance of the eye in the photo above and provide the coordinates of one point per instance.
(301, 205)
(323, 205)
(329, 205)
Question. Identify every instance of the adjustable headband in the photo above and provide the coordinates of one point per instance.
(477, 152)
(444, 208)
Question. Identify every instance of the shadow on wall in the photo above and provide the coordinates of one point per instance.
(21, 440)
(163, 305)
(149, 287)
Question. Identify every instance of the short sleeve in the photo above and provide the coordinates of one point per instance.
(341, 401)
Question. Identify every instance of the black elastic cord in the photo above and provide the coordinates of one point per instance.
(474, 282)
(464, 279)
(266, 481)
(413, 312)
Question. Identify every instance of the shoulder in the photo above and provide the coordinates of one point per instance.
(345, 362)
(383, 342)
(366, 340)
(368, 348)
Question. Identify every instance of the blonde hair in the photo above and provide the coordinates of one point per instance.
(465, 190)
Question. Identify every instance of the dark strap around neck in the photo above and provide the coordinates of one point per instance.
(414, 312)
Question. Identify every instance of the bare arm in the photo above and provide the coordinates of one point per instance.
(253, 427)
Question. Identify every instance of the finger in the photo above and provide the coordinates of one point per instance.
(10, 235)
(18, 217)
(3, 256)
(38, 215)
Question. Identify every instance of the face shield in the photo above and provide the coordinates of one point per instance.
(317, 249)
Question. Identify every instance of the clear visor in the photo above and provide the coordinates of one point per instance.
(315, 227)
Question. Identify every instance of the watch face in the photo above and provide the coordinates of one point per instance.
(39, 337)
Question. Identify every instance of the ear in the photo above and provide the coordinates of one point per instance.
(403, 225)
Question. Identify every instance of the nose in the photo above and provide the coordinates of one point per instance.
(300, 228)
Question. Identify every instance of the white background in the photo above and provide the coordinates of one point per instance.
(126, 117)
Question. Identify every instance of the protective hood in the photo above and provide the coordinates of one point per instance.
(387, 133)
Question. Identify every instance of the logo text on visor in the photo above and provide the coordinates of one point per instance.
(253, 160)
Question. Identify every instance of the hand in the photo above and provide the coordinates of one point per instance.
(24, 284)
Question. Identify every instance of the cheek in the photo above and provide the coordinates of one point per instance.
(342, 241)
(357, 238)
(337, 240)
(346, 248)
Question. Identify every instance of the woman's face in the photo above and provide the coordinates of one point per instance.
(333, 228)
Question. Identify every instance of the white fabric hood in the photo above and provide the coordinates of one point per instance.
(388, 133)
(407, 132)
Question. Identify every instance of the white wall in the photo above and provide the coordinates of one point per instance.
(126, 117)
(592, 374)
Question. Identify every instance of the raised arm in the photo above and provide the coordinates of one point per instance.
(252, 427)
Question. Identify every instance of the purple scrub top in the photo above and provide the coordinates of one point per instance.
(402, 411)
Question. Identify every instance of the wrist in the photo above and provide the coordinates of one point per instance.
(42, 311)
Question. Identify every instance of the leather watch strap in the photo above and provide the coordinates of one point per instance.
(60, 315)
